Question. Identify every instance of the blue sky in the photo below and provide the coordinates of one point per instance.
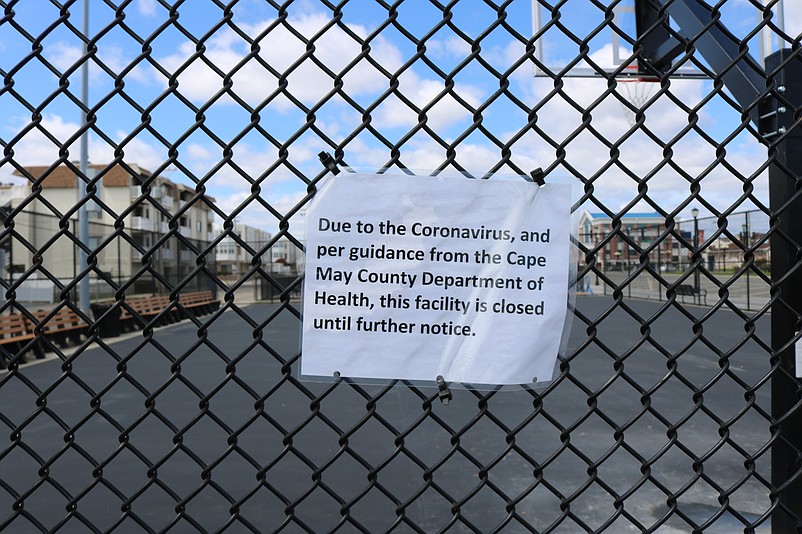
(229, 126)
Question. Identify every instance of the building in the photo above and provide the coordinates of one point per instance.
(724, 254)
(673, 254)
(133, 234)
(233, 259)
(287, 257)
(621, 249)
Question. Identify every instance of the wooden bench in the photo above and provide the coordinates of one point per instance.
(16, 333)
(137, 312)
(145, 309)
(687, 290)
(199, 302)
(63, 326)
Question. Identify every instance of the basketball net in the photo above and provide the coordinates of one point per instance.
(637, 91)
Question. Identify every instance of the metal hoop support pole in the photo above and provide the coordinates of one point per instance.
(786, 388)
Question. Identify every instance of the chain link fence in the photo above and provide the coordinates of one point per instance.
(671, 411)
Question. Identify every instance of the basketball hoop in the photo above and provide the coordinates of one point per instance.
(637, 90)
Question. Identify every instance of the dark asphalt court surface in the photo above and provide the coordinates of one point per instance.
(179, 449)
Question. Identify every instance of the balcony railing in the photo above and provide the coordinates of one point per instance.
(143, 223)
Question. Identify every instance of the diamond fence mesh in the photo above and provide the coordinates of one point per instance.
(175, 404)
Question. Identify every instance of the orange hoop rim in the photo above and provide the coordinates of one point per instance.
(631, 75)
(633, 79)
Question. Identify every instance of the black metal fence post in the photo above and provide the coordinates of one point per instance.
(786, 205)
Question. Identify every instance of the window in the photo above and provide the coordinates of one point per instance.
(142, 240)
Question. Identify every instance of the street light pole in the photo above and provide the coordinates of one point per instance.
(83, 216)
(599, 253)
(746, 245)
(660, 244)
(626, 244)
(696, 289)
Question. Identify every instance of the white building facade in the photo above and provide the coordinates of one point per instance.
(130, 231)
(287, 257)
(233, 259)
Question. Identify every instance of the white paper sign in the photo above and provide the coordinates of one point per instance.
(411, 277)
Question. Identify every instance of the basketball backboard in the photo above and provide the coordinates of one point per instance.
(603, 33)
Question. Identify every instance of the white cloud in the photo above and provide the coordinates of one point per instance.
(366, 156)
(146, 8)
(591, 156)
(421, 92)
(198, 152)
(309, 82)
(255, 215)
(454, 47)
(249, 161)
(135, 151)
(558, 119)
(280, 49)
(582, 150)
(36, 148)
(64, 56)
(230, 202)
(281, 189)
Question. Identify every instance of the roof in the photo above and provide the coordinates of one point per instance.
(115, 176)
(629, 215)
(64, 176)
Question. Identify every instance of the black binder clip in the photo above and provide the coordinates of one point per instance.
(328, 161)
(538, 176)
(444, 393)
